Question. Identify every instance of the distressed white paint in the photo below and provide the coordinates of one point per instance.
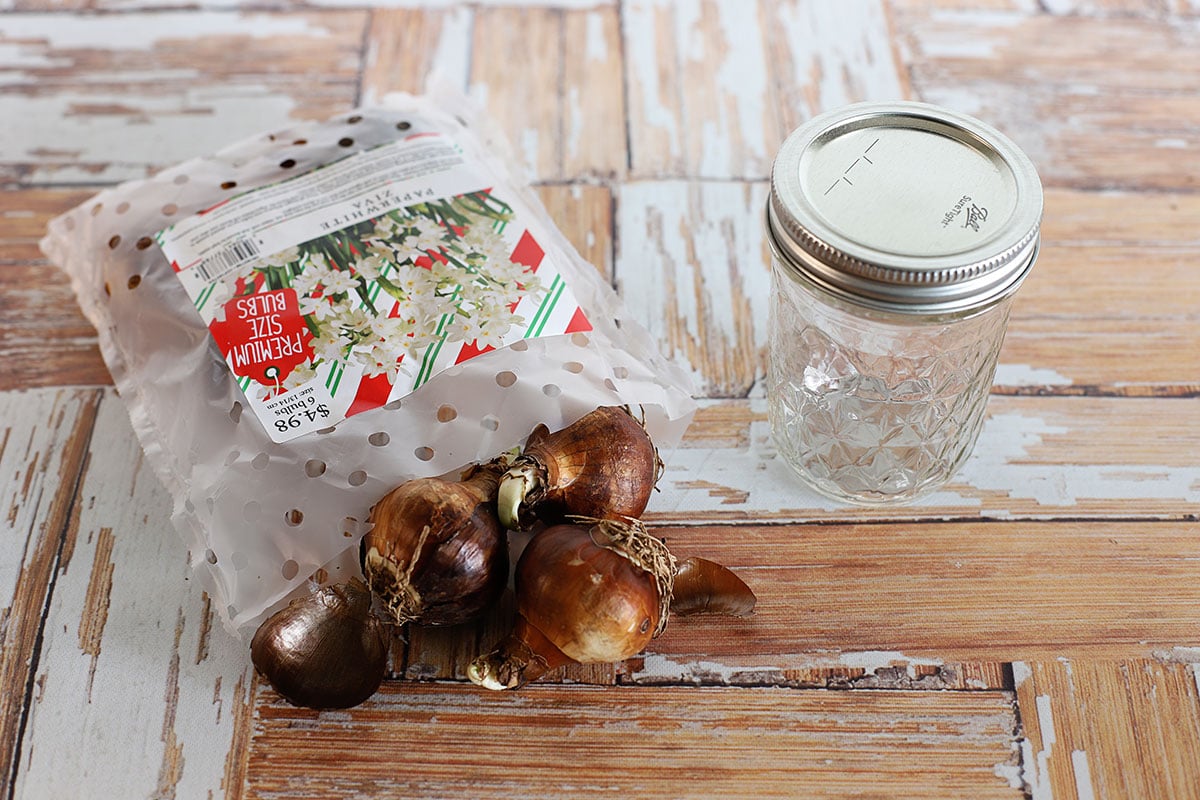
(657, 667)
(1021, 673)
(1026, 375)
(1045, 720)
(700, 85)
(156, 130)
(1013, 472)
(983, 32)
(81, 727)
(840, 52)
(31, 458)
(145, 31)
(733, 142)
(649, 108)
(1035, 772)
(449, 60)
(697, 251)
(1083, 775)
(875, 660)
(1000, 464)
(595, 46)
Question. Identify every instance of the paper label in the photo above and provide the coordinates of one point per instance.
(350, 286)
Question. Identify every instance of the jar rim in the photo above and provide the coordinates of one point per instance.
(894, 237)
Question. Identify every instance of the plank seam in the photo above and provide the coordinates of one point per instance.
(92, 407)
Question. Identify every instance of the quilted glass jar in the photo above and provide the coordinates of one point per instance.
(899, 234)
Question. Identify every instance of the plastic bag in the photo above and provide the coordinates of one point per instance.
(268, 316)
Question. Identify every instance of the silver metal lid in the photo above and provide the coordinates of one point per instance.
(905, 207)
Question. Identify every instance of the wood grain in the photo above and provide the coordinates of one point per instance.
(946, 592)
(129, 668)
(584, 214)
(562, 105)
(1111, 729)
(405, 46)
(1036, 458)
(451, 741)
(1038, 77)
(692, 266)
(911, 605)
(1067, 543)
(714, 56)
(46, 340)
(826, 55)
(43, 447)
(178, 83)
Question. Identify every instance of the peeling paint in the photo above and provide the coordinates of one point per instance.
(1083, 775)
(1026, 375)
(1021, 673)
(168, 129)
(1045, 721)
(145, 31)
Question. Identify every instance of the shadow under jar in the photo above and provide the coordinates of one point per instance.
(899, 233)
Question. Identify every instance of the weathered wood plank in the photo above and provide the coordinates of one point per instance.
(1036, 458)
(23, 218)
(825, 55)
(715, 87)
(1120, 729)
(46, 340)
(454, 741)
(699, 89)
(692, 266)
(43, 446)
(130, 646)
(562, 105)
(937, 593)
(584, 214)
(404, 46)
(1038, 77)
(1106, 8)
(102, 98)
(963, 5)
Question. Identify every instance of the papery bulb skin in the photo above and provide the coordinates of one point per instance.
(592, 603)
(436, 554)
(326, 650)
(706, 587)
(586, 593)
(603, 466)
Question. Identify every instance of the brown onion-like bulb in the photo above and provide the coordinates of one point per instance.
(436, 554)
(603, 466)
(598, 592)
(323, 651)
(592, 593)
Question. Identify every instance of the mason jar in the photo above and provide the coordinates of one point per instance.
(899, 233)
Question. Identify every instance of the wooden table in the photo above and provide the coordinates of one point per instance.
(1032, 630)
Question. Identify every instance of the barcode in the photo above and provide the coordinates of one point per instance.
(231, 257)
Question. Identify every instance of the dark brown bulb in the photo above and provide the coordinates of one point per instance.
(603, 466)
(436, 554)
(323, 651)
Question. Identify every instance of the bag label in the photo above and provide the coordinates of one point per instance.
(350, 286)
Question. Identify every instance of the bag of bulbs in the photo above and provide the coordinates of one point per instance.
(310, 318)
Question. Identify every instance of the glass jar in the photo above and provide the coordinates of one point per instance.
(899, 233)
